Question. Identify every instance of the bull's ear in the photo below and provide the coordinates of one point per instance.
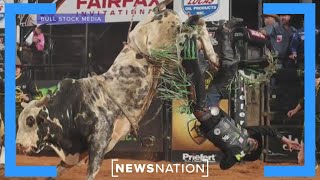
(24, 104)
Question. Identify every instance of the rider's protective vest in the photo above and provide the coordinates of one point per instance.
(229, 135)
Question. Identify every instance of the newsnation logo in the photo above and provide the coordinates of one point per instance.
(119, 169)
(198, 157)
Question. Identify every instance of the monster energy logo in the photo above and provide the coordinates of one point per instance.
(190, 49)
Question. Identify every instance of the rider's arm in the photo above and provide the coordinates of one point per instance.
(265, 131)
(269, 131)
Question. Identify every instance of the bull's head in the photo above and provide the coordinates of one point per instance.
(31, 136)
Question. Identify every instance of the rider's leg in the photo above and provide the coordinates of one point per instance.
(197, 89)
(191, 64)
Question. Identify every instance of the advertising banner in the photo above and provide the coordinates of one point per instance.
(91, 11)
(187, 142)
(114, 11)
(210, 10)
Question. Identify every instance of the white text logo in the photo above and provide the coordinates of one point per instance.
(121, 168)
(198, 158)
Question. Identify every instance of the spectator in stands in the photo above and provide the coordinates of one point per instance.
(271, 22)
(36, 42)
(25, 88)
(297, 47)
(299, 107)
(278, 30)
(38, 39)
(288, 32)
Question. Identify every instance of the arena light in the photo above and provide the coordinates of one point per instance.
(308, 10)
(11, 170)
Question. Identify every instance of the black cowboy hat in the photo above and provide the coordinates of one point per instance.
(254, 155)
(18, 62)
(275, 16)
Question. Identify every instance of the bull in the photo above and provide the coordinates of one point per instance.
(87, 117)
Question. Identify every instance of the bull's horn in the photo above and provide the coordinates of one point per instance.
(166, 2)
(163, 5)
(44, 100)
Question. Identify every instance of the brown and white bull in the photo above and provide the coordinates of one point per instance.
(87, 117)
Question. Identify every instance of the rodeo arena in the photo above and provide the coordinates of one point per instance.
(159, 89)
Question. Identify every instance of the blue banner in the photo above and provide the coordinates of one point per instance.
(198, 7)
(54, 19)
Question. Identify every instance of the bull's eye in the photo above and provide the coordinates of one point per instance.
(30, 121)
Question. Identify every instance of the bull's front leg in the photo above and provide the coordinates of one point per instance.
(98, 146)
(63, 167)
(60, 169)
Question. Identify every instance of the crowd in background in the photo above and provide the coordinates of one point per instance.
(288, 42)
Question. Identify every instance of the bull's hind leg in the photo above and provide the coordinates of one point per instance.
(97, 148)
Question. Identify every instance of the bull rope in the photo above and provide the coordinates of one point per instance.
(131, 22)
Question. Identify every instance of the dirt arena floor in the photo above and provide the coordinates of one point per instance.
(247, 171)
